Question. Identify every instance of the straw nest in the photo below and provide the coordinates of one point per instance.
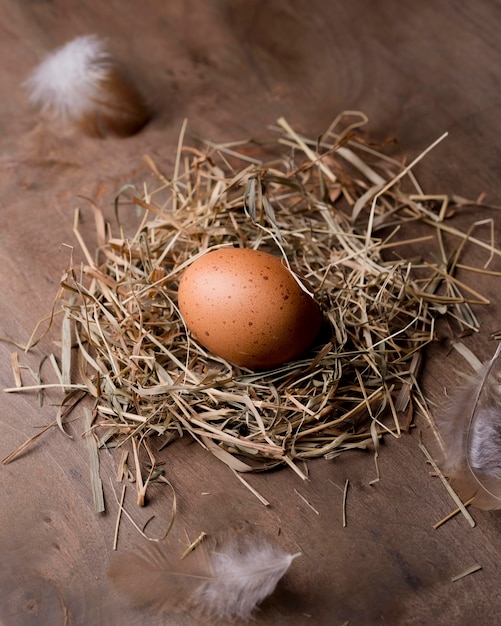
(334, 209)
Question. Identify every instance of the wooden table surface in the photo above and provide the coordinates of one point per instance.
(232, 67)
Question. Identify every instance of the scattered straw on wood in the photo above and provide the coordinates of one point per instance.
(95, 478)
(345, 497)
(461, 506)
(334, 208)
(451, 514)
(467, 572)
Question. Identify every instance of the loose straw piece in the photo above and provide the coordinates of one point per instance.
(261, 498)
(95, 479)
(446, 484)
(193, 545)
(121, 466)
(345, 495)
(19, 451)
(452, 514)
(14, 358)
(394, 180)
(307, 503)
(119, 517)
(467, 572)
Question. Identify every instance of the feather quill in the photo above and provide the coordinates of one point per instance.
(80, 84)
(470, 428)
(219, 580)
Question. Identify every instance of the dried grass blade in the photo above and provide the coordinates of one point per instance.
(308, 504)
(451, 514)
(375, 441)
(43, 386)
(394, 180)
(229, 459)
(446, 484)
(177, 164)
(95, 479)
(314, 158)
(81, 242)
(345, 497)
(19, 451)
(296, 469)
(14, 359)
(119, 517)
(121, 468)
(261, 498)
(66, 350)
(480, 299)
(467, 572)
(457, 233)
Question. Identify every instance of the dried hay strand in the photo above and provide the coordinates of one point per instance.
(333, 209)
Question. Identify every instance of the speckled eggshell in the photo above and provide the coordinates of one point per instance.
(246, 307)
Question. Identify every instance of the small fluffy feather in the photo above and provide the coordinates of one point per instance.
(80, 84)
(225, 581)
(470, 428)
(243, 578)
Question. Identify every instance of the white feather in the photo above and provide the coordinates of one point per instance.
(67, 82)
(470, 428)
(242, 579)
(79, 83)
(485, 441)
(224, 579)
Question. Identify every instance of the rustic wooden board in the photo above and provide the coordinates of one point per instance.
(232, 68)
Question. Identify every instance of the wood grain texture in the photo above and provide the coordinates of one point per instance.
(232, 67)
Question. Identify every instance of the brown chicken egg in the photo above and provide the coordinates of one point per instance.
(246, 307)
